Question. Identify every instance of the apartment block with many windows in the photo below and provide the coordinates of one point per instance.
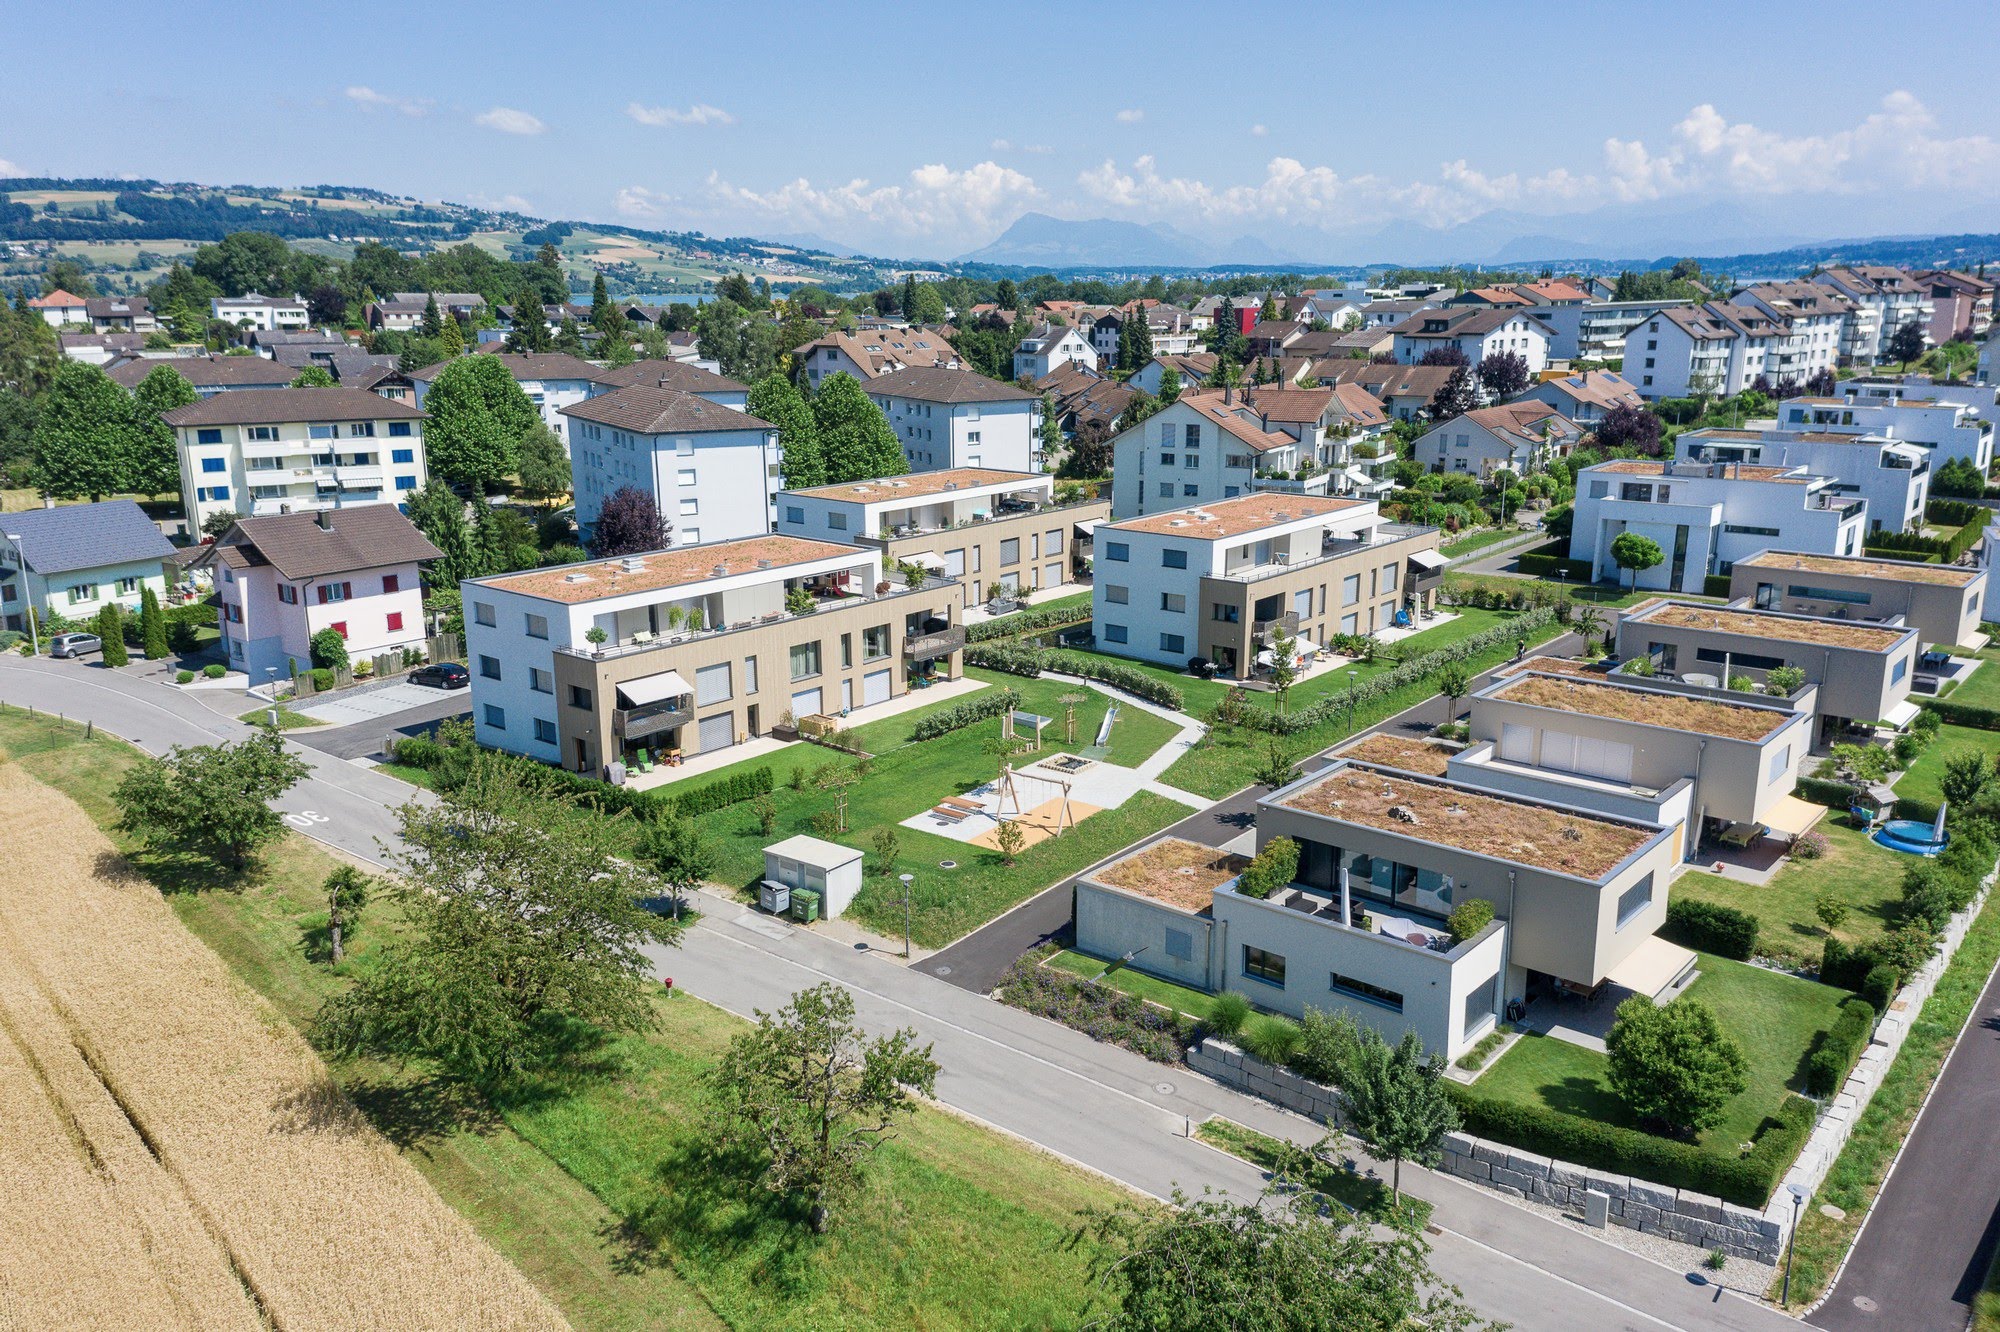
(1942, 602)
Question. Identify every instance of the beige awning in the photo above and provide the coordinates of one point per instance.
(1083, 527)
(1428, 559)
(925, 559)
(1792, 816)
(1653, 966)
(653, 689)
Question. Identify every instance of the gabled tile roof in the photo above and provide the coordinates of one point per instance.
(663, 373)
(370, 536)
(936, 383)
(206, 371)
(281, 406)
(85, 536)
(647, 410)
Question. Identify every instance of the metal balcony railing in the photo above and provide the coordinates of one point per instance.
(935, 643)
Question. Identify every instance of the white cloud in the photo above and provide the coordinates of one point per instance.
(1130, 116)
(8, 168)
(1259, 131)
(638, 201)
(510, 121)
(701, 113)
(935, 201)
(1001, 146)
(369, 99)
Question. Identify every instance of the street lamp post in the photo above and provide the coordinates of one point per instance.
(1799, 1194)
(906, 878)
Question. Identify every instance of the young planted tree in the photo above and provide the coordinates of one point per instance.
(809, 1089)
(211, 800)
(1674, 1066)
(1636, 554)
(152, 626)
(629, 523)
(854, 436)
(542, 464)
(1965, 776)
(525, 938)
(676, 849)
(110, 627)
(478, 418)
(1588, 622)
(1009, 839)
(1396, 1101)
(347, 891)
(154, 466)
(1452, 682)
(775, 399)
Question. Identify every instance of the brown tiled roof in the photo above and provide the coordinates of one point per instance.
(660, 373)
(1600, 388)
(1290, 405)
(917, 485)
(645, 410)
(1210, 404)
(1360, 405)
(661, 569)
(1459, 322)
(1386, 381)
(1528, 422)
(371, 536)
(880, 350)
(937, 383)
(205, 371)
(1235, 517)
(527, 365)
(279, 406)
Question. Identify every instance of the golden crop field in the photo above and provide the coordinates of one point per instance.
(172, 1153)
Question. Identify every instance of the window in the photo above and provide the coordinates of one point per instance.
(361, 430)
(333, 592)
(1116, 595)
(208, 436)
(687, 476)
(1828, 593)
(1739, 529)
(794, 514)
(1166, 490)
(1302, 603)
(88, 592)
(1190, 491)
(483, 614)
(1114, 633)
(1901, 669)
(1479, 1005)
(1264, 966)
(1118, 552)
(212, 493)
(1389, 577)
(538, 625)
(805, 660)
(1180, 945)
(402, 455)
(400, 430)
(1350, 589)
(1353, 988)
(496, 717)
(1599, 489)
(395, 621)
(214, 464)
(489, 667)
(875, 643)
(1053, 543)
(319, 432)
(579, 697)
(837, 521)
(1173, 559)
(1173, 602)
(545, 730)
(1781, 763)
(1192, 437)
(714, 684)
(1010, 551)
(541, 681)
(1174, 643)
(846, 651)
(1225, 614)
(263, 434)
(1634, 900)
(406, 483)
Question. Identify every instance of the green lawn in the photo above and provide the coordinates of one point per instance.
(1982, 688)
(1774, 1017)
(1075, 601)
(1868, 878)
(608, 1192)
(1367, 1197)
(1165, 993)
(1921, 781)
(1465, 545)
(287, 719)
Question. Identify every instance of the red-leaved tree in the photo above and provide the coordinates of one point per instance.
(628, 523)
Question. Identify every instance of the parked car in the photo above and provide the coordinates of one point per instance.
(74, 645)
(442, 675)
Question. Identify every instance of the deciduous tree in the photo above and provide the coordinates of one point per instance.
(478, 417)
(313, 376)
(154, 467)
(1674, 1065)
(775, 399)
(1629, 427)
(629, 523)
(83, 434)
(439, 514)
(1456, 396)
(1396, 1100)
(347, 891)
(211, 800)
(854, 435)
(1503, 375)
(541, 464)
(1636, 554)
(1906, 344)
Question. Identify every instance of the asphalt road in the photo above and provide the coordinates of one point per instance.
(1922, 1254)
(365, 739)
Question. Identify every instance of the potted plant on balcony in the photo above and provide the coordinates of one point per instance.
(676, 617)
(787, 727)
(798, 601)
(595, 637)
(696, 622)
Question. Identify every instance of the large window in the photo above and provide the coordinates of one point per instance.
(1353, 988)
(805, 660)
(1479, 1005)
(489, 667)
(1010, 551)
(713, 684)
(1173, 559)
(1174, 643)
(1114, 633)
(541, 681)
(538, 626)
(1117, 552)
(1117, 596)
(1264, 966)
(483, 614)
(1634, 900)
(875, 643)
(1350, 589)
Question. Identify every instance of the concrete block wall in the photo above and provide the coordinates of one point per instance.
(1245, 1072)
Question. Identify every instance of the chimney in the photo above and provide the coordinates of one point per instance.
(325, 520)
(48, 501)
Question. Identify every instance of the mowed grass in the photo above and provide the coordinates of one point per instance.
(1981, 689)
(1368, 1198)
(1165, 993)
(1774, 1017)
(1921, 781)
(1855, 871)
(607, 1193)
(1466, 545)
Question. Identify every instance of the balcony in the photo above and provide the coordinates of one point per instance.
(1000, 512)
(1263, 630)
(366, 477)
(934, 643)
(654, 718)
(1331, 548)
(1315, 484)
(650, 642)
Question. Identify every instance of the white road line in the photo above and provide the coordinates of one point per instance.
(1557, 1276)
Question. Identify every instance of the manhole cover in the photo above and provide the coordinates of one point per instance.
(947, 864)
(942, 971)
(1866, 1305)
(1164, 1088)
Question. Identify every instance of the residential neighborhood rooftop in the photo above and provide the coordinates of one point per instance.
(1399, 751)
(1174, 871)
(680, 566)
(279, 406)
(1730, 721)
(917, 485)
(647, 410)
(1762, 624)
(1899, 571)
(1737, 471)
(939, 383)
(661, 373)
(85, 536)
(1235, 517)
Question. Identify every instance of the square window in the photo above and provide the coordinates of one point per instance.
(1174, 643)
(541, 681)
(545, 730)
(1118, 552)
(489, 667)
(482, 613)
(537, 626)
(1114, 633)
(208, 436)
(339, 627)
(579, 697)
(496, 717)
(1117, 596)
(1259, 964)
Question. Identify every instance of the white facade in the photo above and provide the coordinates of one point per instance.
(713, 484)
(1519, 334)
(1893, 477)
(1947, 430)
(1595, 331)
(1041, 351)
(1692, 352)
(940, 436)
(1892, 297)
(262, 313)
(1520, 437)
(1196, 451)
(295, 466)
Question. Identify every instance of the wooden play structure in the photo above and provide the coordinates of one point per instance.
(1011, 722)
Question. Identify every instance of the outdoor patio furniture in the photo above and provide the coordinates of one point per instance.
(949, 814)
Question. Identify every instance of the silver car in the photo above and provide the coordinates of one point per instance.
(74, 645)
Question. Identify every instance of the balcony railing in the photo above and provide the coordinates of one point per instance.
(1264, 630)
(607, 651)
(999, 513)
(638, 723)
(1312, 485)
(935, 643)
(1386, 534)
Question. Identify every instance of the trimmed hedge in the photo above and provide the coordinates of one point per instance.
(418, 751)
(1746, 1180)
(1838, 1048)
(1014, 659)
(1031, 621)
(1715, 585)
(1947, 550)
(1954, 512)
(1962, 714)
(1552, 566)
(1880, 985)
(731, 790)
(961, 715)
(1722, 930)
(1834, 795)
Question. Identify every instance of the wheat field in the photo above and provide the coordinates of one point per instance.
(172, 1153)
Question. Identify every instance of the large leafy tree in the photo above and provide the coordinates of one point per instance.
(530, 332)
(83, 434)
(312, 376)
(776, 399)
(542, 464)
(154, 465)
(327, 304)
(1906, 344)
(1282, 1263)
(1628, 427)
(1674, 1065)
(854, 435)
(245, 261)
(439, 514)
(479, 416)
(629, 523)
(1396, 1100)
(506, 540)
(1457, 395)
(211, 800)
(524, 937)
(808, 1088)
(1449, 354)
(1504, 375)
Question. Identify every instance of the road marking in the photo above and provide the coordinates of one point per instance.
(306, 818)
(1557, 1276)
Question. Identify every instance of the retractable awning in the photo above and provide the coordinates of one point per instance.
(1357, 478)
(1653, 967)
(1085, 526)
(1792, 816)
(1304, 646)
(653, 689)
(1428, 559)
(925, 559)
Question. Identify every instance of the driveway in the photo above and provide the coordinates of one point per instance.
(375, 705)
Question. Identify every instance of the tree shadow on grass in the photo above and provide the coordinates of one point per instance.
(1582, 1097)
(711, 1206)
(177, 872)
(414, 1112)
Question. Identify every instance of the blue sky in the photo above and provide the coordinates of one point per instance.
(926, 129)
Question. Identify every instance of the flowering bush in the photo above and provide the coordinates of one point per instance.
(1810, 845)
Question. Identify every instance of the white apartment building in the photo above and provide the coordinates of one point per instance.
(866, 353)
(1893, 476)
(1815, 320)
(1704, 517)
(1946, 430)
(1477, 332)
(712, 470)
(1521, 437)
(1712, 350)
(1209, 446)
(1047, 346)
(263, 314)
(552, 381)
(1892, 296)
(290, 450)
(949, 418)
(1594, 331)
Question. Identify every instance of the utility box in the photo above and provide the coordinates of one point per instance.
(775, 898)
(832, 872)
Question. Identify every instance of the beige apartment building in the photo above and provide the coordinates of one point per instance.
(1942, 602)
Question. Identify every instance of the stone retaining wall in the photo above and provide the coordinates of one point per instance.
(1246, 1072)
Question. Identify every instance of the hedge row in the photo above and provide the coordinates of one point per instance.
(960, 715)
(1715, 585)
(1962, 714)
(1014, 659)
(1838, 1048)
(1032, 621)
(1834, 795)
(731, 790)
(1955, 513)
(1558, 566)
(1946, 549)
(1710, 928)
(1747, 1180)
(419, 751)
(1416, 670)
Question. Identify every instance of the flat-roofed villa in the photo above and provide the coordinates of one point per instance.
(1864, 671)
(1942, 602)
(974, 526)
(699, 648)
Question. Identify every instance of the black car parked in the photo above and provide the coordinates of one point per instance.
(442, 675)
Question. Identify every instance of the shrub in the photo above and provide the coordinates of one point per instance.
(1879, 987)
(182, 677)
(1783, 681)
(1673, 1064)
(1722, 930)
(1326, 1044)
(322, 678)
(1272, 870)
(1961, 714)
(1475, 1059)
(1037, 620)
(1839, 1046)
(1469, 917)
(729, 791)
(1906, 748)
(1715, 585)
(1098, 1011)
(1823, 791)
(1227, 1013)
(958, 716)
(1271, 1038)
(215, 670)
(1926, 724)
(329, 649)
(419, 751)
(1810, 845)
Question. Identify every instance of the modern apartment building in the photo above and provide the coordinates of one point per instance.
(292, 450)
(261, 313)
(974, 527)
(1947, 430)
(1815, 320)
(1713, 350)
(1942, 602)
(1218, 581)
(1892, 296)
(695, 648)
(712, 470)
(868, 352)
(1894, 477)
(1706, 516)
(1596, 330)
(947, 418)
(1476, 332)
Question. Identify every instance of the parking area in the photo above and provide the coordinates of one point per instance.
(353, 708)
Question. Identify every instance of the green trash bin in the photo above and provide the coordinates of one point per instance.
(805, 905)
